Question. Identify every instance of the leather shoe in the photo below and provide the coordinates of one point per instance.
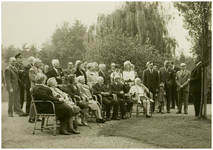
(115, 118)
(148, 116)
(64, 132)
(10, 115)
(185, 112)
(74, 132)
(178, 112)
(168, 111)
(100, 120)
(31, 120)
(23, 115)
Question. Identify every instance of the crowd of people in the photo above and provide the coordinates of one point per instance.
(72, 89)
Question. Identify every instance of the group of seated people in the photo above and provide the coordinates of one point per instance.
(72, 93)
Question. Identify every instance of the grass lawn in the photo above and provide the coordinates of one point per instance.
(167, 131)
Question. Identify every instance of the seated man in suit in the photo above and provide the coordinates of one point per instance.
(118, 88)
(107, 100)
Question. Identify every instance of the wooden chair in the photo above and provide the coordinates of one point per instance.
(44, 116)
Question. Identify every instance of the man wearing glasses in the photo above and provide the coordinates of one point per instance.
(182, 80)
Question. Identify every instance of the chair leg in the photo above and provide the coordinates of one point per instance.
(35, 126)
(42, 123)
(55, 126)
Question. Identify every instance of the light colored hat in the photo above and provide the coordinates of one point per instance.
(126, 63)
(182, 64)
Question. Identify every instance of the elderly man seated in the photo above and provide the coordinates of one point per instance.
(107, 100)
(139, 92)
(119, 89)
(86, 94)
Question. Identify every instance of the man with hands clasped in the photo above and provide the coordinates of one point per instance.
(182, 80)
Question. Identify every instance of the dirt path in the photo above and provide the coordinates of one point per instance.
(17, 133)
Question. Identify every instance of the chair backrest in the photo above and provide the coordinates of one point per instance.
(41, 102)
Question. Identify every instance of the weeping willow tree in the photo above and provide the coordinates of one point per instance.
(143, 23)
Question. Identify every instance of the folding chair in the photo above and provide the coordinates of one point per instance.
(44, 116)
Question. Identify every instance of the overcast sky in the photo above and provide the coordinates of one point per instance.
(35, 22)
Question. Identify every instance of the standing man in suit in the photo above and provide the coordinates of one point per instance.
(21, 76)
(151, 81)
(195, 86)
(13, 88)
(28, 83)
(102, 72)
(166, 76)
(182, 80)
(174, 87)
(107, 100)
(56, 71)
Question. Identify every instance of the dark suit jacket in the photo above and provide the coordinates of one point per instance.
(97, 88)
(117, 88)
(28, 82)
(11, 78)
(21, 74)
(78, 73)
(195, 82)
(100, 73)
(166, 77)
(150, 80)
(53, 73)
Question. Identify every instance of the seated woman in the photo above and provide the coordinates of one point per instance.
(63, 111)
(139, 92)
(52, 83)
(87, 96)
(72, 90)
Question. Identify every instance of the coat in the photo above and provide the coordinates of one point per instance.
(21, 74)
(97, 88)
(166, 77)
(81, 73)
(195, 82)
(28, 82)
(11, 78)
(151, 80)
(183, 79)
(53, 73)
(41, 92)
(117, 88)
(32, 74)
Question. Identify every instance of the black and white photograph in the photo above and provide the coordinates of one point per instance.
(106, 74)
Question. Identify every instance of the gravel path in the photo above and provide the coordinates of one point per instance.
(17, 133)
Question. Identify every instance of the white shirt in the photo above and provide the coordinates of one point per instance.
(129, 75)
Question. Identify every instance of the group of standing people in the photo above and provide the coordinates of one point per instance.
(83, 80)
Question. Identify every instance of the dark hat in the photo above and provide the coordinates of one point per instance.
(18, 55)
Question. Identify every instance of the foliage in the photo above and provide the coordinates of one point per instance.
(197, 19)
(66, 44)
(118, 49)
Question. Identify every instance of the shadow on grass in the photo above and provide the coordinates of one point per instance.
(164, 131)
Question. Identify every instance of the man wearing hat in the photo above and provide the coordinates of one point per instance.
(182, 80)
(13, 88)
(119, 89)
(21, 76)
(166, 75)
